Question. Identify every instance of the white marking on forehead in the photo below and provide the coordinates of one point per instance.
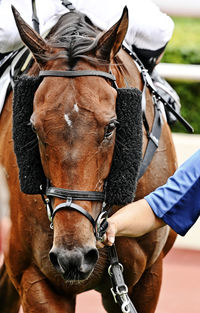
(76, 108)
(67, 119)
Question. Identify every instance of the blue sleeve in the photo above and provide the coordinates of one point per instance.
(177, 202)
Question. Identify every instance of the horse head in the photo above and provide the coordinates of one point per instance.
(75, 121)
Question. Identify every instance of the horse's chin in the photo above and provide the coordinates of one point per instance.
(74, 278)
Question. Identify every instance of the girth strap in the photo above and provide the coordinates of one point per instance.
(77, 74)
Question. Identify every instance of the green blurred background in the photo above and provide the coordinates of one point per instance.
(184, 48)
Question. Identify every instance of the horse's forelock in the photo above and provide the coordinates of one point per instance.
(75, 33)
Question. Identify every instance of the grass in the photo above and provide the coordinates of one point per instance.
(186, 33)
(184, 47)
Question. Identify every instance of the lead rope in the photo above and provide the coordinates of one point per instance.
(119, 288)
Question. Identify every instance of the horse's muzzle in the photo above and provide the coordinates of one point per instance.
(76, 264)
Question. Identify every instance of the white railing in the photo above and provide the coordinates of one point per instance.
(187, 8)
(180, 7)
(179, 71)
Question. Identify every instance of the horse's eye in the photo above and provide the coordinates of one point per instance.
(32, 126)
(109, 129)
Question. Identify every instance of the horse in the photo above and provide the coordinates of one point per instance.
(75, 122)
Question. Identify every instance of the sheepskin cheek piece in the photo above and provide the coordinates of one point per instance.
(121, 183)
(26, 148)
(122, 180)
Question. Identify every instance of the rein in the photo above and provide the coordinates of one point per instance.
(153, 135)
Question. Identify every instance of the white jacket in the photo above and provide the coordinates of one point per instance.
(149, 28)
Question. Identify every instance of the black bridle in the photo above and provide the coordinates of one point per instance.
(99, 224)
(119, 288)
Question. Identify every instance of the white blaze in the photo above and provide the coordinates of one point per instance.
(67, 119)
(76, 108)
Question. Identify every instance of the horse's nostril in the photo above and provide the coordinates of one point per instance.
(74, 264)
(54, 259)
(91, 256)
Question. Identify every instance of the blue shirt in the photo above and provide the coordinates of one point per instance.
(177, 202)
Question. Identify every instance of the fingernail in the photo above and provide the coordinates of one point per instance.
(112, 239)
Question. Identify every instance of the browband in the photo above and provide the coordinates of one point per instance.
(77, 74)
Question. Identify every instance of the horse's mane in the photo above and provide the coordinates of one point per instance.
(75, 33)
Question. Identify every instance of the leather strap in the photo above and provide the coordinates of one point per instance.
(154, 135)
(68, 5)
(146, 77)
(75, 194)
(35, 20)
(69, 205)
(72, 74)
(119, 288)
(153, 141)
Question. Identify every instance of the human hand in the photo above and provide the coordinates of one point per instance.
(109, 236)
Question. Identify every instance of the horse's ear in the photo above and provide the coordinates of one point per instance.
(31, 38)
(111, 41)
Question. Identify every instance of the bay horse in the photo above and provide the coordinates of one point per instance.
(75, 120)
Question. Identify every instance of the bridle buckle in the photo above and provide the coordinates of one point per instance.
(69, 202)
